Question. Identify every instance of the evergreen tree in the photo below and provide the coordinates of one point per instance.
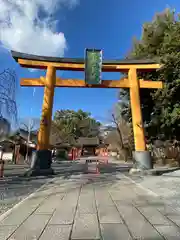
(159, 42)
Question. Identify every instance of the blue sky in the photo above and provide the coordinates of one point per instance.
(103, 24)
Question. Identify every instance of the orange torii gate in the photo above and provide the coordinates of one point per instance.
(50, 81)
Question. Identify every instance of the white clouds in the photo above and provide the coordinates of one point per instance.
(28, 26)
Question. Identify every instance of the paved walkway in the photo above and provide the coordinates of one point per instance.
(166, 186)
(87, 207)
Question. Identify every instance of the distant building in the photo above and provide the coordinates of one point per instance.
(89, 145)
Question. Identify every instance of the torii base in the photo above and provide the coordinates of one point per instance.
(40, 164)
(142, 160)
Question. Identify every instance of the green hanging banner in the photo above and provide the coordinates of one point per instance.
(93, 66)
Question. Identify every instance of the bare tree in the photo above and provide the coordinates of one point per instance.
(8, 107)
(121, 137)
(117, 124)
(30, 124)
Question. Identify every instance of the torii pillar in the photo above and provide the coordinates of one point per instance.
(141, 156)
(43, 156)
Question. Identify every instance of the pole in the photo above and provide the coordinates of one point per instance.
(141, 156)
(28, 139)
(46, 118)
(137, 121)
(1, 165)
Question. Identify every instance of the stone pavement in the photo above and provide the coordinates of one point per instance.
(89, 206)
(166, 186)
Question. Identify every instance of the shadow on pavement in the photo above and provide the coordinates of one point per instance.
(65, 169)
(15, 187)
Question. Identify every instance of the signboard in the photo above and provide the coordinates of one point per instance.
(93, 66)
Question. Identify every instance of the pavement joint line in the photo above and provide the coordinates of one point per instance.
(153, 225)
(70, 235)
(45, 225)
(177, 226)
(136, 209)
(8, 212)
(123, 220)
(97, 213)
(143, 188)
(9, 237)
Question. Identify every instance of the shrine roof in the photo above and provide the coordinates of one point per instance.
(19, 55)
(88, 141)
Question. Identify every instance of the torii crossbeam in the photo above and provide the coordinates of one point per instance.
(50, 81)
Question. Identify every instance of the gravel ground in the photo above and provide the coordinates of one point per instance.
(13, 191)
